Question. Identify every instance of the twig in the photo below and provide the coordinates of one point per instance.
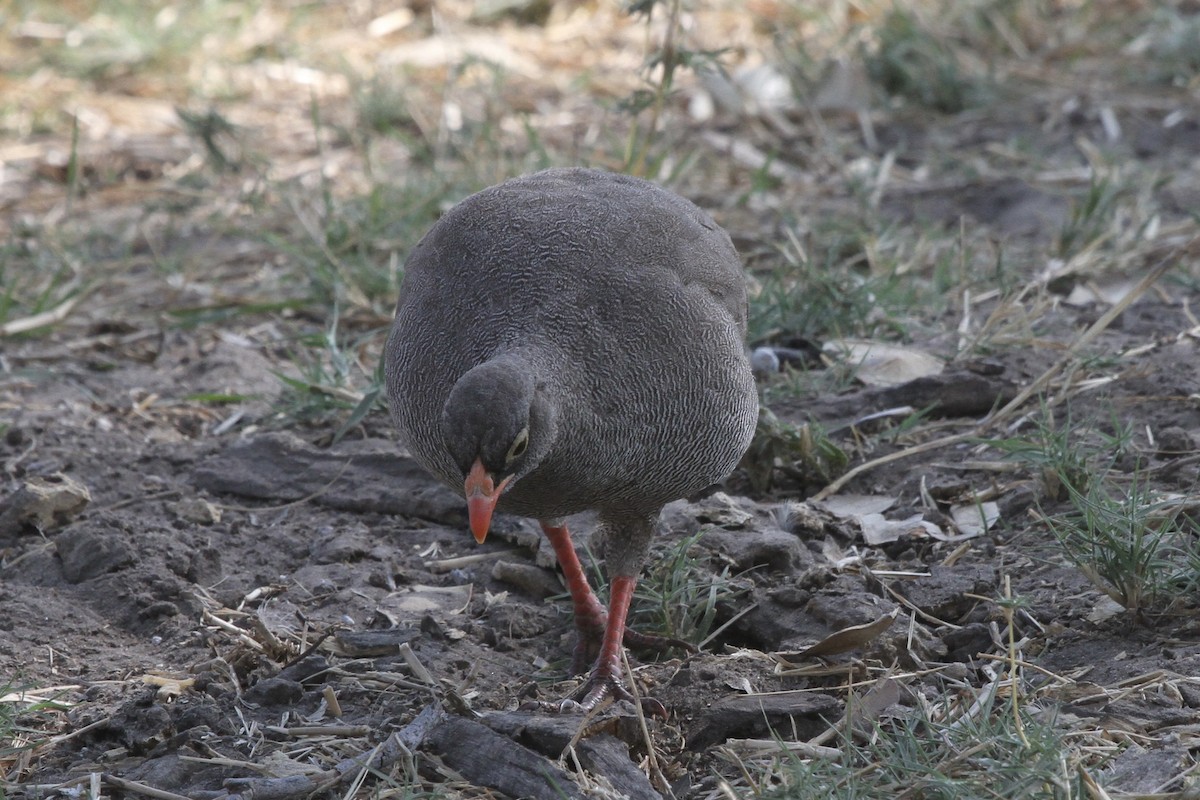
(448, 564)
(770, 747)
(133, 786)
(312, 648)
(341, 731)
(709, 639)
(656, 773)
(416, 667)
(146, 498)
(34, 321)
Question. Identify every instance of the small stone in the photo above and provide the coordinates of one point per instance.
(771, 548)
(204, 566)
(159, 608)
(342, 546)
(305, 669)
(43, 503)
(197, 510)
(1174, 442)
(274, 692)
(764, 362)
(532, 580)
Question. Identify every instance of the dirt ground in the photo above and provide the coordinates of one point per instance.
(237, 599)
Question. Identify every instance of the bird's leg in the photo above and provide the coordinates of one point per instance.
(601, 634)
(590, 619)
(605, 679)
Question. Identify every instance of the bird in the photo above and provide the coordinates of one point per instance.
(573, 340)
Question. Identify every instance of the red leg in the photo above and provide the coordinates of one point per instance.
(608, 665)
(606, 679)
(601, 634)
(590, 619)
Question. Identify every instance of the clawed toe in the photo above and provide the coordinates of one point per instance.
(592, 694)
(597, 689)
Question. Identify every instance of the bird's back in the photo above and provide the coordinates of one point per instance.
(629, 302)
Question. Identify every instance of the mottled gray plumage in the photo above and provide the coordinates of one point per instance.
(601, 312)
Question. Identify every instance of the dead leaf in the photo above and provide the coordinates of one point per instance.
(169, 687)
(1105, 609)
(879, 698)
(878, 529)
(882, 363)
(1109, 292)
(974, 519)
(837, 556)
(418, 599)
(852, 506)
(740, 685)
(850, 638)
(391, 22)
(867, 511)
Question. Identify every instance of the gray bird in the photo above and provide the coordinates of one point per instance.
(567, 341)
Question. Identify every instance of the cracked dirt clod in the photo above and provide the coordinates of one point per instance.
(43, 503)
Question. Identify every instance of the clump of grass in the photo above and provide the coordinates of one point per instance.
(936, 752)
(663, 63)
(1170, 37)
(121, 38)
(1065, 458)
(1092, 216)
(25, 715)
(948, 740)
(783, 453)
(39, 283)
(1136, 545)
(807, 382)
(680, 596)
(383, 107)
(327, 387)
(833, 289)
(912, 61)
(792, 304)
(350, 248)
(219, 137)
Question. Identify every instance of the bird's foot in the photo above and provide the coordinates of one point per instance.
(598, 688)
(590, 637)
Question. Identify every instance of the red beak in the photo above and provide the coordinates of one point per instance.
(482, 495)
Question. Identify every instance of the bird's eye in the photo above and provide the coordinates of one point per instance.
(518, 447)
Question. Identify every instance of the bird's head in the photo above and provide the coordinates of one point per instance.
(498, 423)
